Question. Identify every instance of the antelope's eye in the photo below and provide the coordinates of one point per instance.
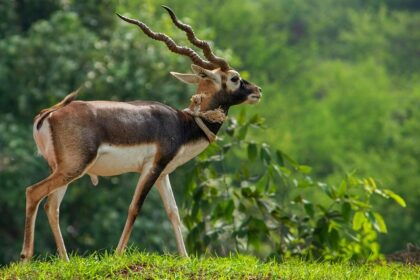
(235, 79)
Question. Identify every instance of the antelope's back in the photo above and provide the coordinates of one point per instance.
(119, 123)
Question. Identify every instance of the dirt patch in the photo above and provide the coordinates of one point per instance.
(409, 256)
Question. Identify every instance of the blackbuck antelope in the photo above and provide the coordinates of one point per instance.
(105, 138)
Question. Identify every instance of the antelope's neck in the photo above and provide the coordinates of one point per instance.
(214, 127)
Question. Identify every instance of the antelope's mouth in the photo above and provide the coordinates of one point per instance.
(254, 98)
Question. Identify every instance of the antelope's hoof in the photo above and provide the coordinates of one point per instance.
(23, 258)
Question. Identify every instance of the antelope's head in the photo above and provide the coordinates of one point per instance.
(221, 85)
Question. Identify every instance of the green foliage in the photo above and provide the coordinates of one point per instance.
(36, 72)
(248, 197)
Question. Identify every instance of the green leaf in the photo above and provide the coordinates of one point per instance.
(265, 154)
(358, 220)
(241, 117)
(289, 159)
(305, 169)
(252, 151)
(248, 191)
(342, 189)
(309, 208)
(298, 199)
(262, 184)
(277, 170)
(372, 182)
(333, 239)
(346, 211)
(377, 222)
(380, 221)
(256, 120)
(286, 171)
(328, 190)
(396, 197)
(360, 204)
(372, 220)
(279, 157)
(242, 132)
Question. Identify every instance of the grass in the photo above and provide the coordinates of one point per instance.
(136, 265)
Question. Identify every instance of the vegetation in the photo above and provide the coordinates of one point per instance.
(341, 82)
(137, 265)
(269, 205)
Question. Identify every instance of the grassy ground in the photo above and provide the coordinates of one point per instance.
(147, 266)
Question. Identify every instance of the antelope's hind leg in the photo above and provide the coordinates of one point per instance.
(52, 208)
(34, 195)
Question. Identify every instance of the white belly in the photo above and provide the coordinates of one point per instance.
(186, 153)
(114, 160)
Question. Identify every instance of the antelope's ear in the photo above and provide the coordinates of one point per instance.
(186, 78)
(203, 73)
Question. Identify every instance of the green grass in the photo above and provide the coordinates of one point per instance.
(150, 266)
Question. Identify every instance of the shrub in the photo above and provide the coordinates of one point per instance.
(245, 196)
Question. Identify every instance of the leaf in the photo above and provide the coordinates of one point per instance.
(286, 171)
(279, 157)
(262, 184)
(372, 221)
(321, 230)
(358, 220)
(252, 151)
(256, 120)
(241, 117)
(298, 199)
(372, 182)
(328, 190)
(226, 147)
(309, 208)
(342, 189)
(345, 211)
(360, 204)
(380, 221)
(242, 132)
(277, 170)
(265, 154)
(215, 158)
(377, 222)
(396, 197)
(249, 192)
(290, 160)
(333, 239)
(305, 182)
(305, 169)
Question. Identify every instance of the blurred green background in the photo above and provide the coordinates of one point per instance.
(341, 93)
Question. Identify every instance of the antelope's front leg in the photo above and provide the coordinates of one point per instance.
(146, 181)
(164, 187)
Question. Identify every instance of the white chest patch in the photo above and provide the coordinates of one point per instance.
(186, 153)
(115, 160)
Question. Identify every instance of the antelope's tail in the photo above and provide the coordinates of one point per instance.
(39, 119)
